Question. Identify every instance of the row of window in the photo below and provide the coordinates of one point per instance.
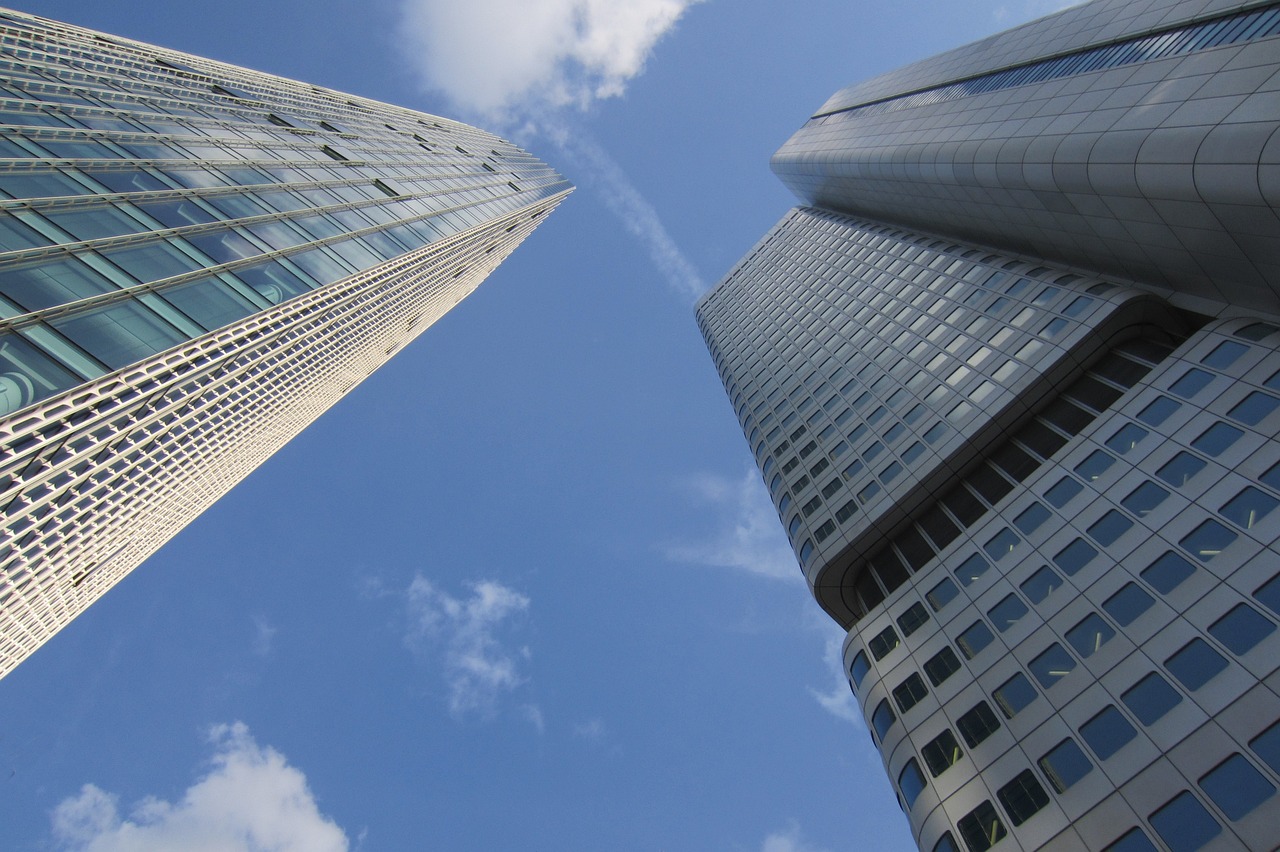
(1233, 29)
(969, 500)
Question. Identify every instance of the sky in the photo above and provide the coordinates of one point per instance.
(523, 588)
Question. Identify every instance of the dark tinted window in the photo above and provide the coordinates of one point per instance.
(1090, 635)
(1183, 823)
(1241, 629)
(941, 753)
(909, 693)
(1107, 732)
(1007, 613)
(883, 642)
(1150, 698)
(858, 668)
(1127, 604)
(942, 594)
(911, 782)
(1022, 797)
(981, 828)
(1236, 787)
(1014, 694)
(1052, 665)
(1195, 664)
(941, 666)
(913, 619)
(973, 640)
(1064, 765)
(978, 724)
(1168, 572)
(1179, 469)
(882, 719)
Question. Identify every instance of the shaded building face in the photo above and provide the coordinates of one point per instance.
(196, 260)
(1036, 484)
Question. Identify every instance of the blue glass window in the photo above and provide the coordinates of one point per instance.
(1127, 604)
(858, 668)
(1074, 557)
(1064, 765)
(1089, 635)
(45, 283)
(1168, 572)
(1179, 469)
(911, 782)
(1183, 823)
(1151, 698)
(1242, 628)
(1108, 528)
(1014, 695)
(1031, 518)
(1144, 498)
(1236, 787)
(1132, 840)
(1249, 507)
(1195, 664)
(1001, 544)
(28, 375)
(1217, 439)
(1191, 383)
(882, 719)
(1041, 584)
(1007, 613)
(1052, 665)
(1062, 492)
(1126, 438)
(1224, 355)
(1208, 540)
(971, 569)
(1266, 745)
(1107, 732)
(973, 640)
(1158, 411)
(119, 334)
(942, 594)
(1254, 408)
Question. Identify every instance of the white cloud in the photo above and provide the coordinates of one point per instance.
(593, 730)
(499, 57)
(838, 699)
(251, 801)
(478, 669)
(787, 841)
(746, 534)
(264, 635)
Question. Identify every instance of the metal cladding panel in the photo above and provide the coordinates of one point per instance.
(1164, 171)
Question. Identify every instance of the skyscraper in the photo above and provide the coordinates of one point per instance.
(1012, 379)
(196, 261)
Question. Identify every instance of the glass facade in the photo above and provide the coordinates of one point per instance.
(195, 261)
(1034, 476)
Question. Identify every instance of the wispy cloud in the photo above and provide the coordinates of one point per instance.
(505, 57)
(604, 177)
(531, 67)
(264, 635)
(837, 699)
(789, 840)
(463, 635)
(743, 529)
(251, 800)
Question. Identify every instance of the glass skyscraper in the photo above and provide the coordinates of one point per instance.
(1012, 378)
(196, 261)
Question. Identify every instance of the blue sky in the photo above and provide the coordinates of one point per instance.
(522, 589)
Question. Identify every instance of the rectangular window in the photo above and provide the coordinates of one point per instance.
(1023, 797)
(941, 753)
(978, 724)
(1090, 635)
(1195, 664)
(913, 619)
(1052, 665)
(941, 666)
(882, 643)
(1127, 604)
(1007, 613)
(1107, 732)
(974, 640)
(1151, 698)
(909, 693)
(1041, 584)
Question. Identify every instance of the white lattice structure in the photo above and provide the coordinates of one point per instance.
(169, 321)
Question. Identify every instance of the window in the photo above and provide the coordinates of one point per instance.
(971, 569)
(1001, 544)
(1254, 408)
(1032, 518)
(941, 595)
(973, 640)
(1249, 507)
(1217, 439)
(1183, 823)
(913, 619)
(1268, 594)
(1266, 745)
(1094, 465)
(909, 693)
(946, 844)
(1108, 528)
(1208, 540)
(1224, 355)
(1126, 438)
(1006, 613)
(911, 782)
(981, 828)
(1022, 797)
(1064, 765)
(1127, 604)
(1158, 411)
(941, 753)
(1150, 698)
(1052, 665)
(1168, 572)
(1144, 498)
(1074, 556)
(1241, 629)
(1041, 584)
(1132, 840)
(1014, 695)
(941, 666)
(978, 724)
(882, 643)
(1195, 664)
(1062, 492)
(882, 719)
(1191, 383)
(1236, 787)
(1090, 635)
(858, 668)
(1107, 732)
